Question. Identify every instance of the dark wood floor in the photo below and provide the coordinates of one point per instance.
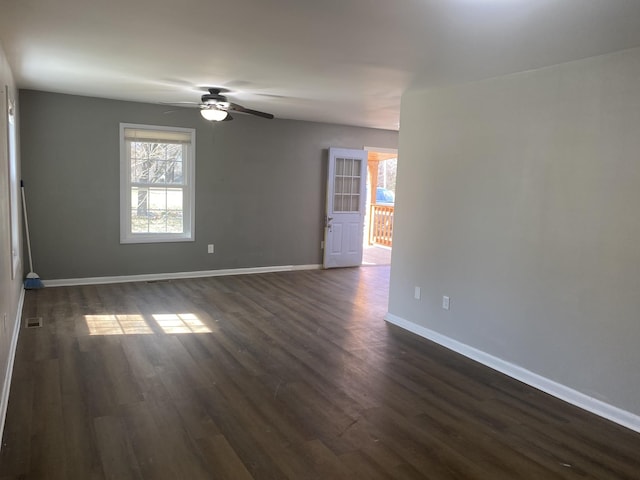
(275, 376)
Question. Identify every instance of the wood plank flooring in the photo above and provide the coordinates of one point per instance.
(276, 376)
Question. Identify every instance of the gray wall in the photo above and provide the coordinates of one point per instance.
(518, 197)
(260, 187)
(10, 288)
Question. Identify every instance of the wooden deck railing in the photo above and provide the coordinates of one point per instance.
(381, 229)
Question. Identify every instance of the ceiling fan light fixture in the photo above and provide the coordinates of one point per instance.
(213, 114)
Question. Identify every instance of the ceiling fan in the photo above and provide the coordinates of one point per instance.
(216, 107)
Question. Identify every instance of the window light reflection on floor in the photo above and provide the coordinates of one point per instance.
(117, 325)
(180, 323)
(170, 323)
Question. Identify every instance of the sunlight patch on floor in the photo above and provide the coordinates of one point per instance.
(170, 323)
(117, 325)
(180, 323)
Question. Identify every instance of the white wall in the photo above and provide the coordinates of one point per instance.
(519, 197)
(10, 289)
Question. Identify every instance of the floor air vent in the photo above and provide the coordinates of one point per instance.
(33, 322)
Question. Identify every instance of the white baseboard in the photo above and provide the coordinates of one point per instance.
(574, 397)
(176, 275)
(6, 385)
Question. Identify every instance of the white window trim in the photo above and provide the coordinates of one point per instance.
(126, 236)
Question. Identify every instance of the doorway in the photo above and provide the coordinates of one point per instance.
(381, 187)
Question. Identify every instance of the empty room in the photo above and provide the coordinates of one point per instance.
(189, 195)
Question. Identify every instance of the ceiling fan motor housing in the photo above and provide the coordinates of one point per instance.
(214, 100)
(214, 97)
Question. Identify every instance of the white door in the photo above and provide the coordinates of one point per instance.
(346, 196)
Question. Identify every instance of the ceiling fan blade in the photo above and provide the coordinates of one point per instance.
(234, 107)
(181, 104)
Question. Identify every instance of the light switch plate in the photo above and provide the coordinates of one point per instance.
(445, 302)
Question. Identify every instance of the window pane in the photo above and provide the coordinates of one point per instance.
(157, 151)
(355, 185)
(174, 199)
(347, 166)
(158, 163)
(356, 167)
(347, 185)
(174, 172)
(138, 174)
(355, 203)
(174, 221)
(156, 171)
(157, 210)
(140, 200)
(158, 224)
(158, 199)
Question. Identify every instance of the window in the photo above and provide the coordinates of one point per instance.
(14, 194)
(346, 188)
(157, 183)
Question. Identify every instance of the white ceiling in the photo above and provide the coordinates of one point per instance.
(338, 61)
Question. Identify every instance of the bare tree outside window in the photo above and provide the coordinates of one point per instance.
(155, 168)
(157, 183)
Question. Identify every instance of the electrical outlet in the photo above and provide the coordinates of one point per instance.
(416, 293)
(445, 302)
(210, 248)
